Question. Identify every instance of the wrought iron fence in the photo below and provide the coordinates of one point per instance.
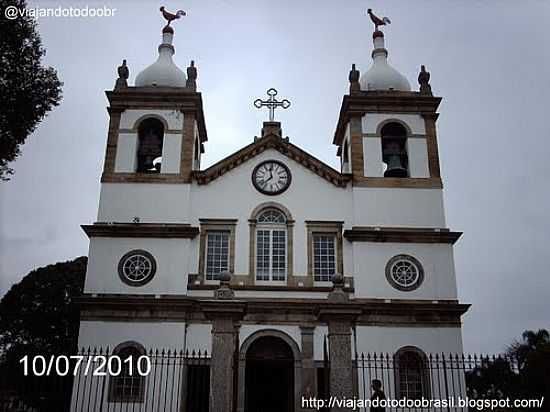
(106, 381)
(446, 382)
(131, 380)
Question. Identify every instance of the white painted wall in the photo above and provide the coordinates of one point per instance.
(171, 256)
(125, 159)
(199, 337)
(398, 207)
(371, 121)
(171, 153)
(372, 157)
(233, 196)
(173, 118)
(389, 339)
(152, 335)
(417, 150)
(370, 270)
(151, 202)
(318, 337)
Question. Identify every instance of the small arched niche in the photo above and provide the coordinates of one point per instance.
(394, 150)
(150, 140)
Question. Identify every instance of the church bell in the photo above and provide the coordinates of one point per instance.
(395, 157)
(150, 149)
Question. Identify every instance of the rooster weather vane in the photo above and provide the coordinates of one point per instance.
(171, 16)
(377, 20)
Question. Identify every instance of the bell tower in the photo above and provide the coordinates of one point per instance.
(156, 134)
(386, 139)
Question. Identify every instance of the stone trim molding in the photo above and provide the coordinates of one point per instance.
(221, 225)
(398, 182)
(141, 230)
(401, 235)
(373, 312)
(363, 102)
(314, 227)
(283, 146)
(271, 205)
(409, 136)
(171, 98)
(272, 288)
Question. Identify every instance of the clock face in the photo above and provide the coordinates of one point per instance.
(271, 177)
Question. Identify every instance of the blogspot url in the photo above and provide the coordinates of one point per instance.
(356, 404)
(13, 12)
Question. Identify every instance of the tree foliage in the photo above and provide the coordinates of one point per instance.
(523, 373)
(29, 90)
(39, 315)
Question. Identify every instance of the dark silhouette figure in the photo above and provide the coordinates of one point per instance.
(377, 393)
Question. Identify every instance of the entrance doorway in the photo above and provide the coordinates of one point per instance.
(269, 376)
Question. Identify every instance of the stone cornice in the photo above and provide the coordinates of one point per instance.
(141, 230)
(359, 103)
(179, 307)
(272, 141)
(401, 235)
(173, 98)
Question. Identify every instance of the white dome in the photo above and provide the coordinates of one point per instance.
(163, 72)
(382, 76)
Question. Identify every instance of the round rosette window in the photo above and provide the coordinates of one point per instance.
(404, 272)
(137, 267)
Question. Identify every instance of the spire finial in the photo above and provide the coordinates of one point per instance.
(171, 16)
(123, 74)
(354, 80)
(424, 81)
(377, 20)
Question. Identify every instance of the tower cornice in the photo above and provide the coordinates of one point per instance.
(174, 98)
(362, 102)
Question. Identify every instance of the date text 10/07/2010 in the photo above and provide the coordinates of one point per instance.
(94, 365)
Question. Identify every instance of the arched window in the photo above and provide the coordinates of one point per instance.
(129, 385)
(271, 245)
(394, 150)
(149, 152)
(412, 373)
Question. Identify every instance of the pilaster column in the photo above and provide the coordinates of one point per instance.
(224, 312)
(339, 313)
(309, 387)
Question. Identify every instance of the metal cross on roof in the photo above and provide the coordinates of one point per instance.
(271, 103)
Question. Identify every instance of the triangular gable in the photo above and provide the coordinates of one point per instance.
(272, 141)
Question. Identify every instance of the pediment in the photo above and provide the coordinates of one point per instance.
(283, 146)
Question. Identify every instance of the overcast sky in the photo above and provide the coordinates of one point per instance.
(489, 60)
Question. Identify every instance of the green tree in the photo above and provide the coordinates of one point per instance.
(522, 373)
(29, 90)
(39, 314)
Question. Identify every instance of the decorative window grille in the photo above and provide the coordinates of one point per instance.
(404, 272)
(217, 254)
(137, 267)
(412, 375)
(271, 246)
(128, 386)
(324, 257)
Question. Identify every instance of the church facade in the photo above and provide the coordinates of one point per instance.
(270, 255)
